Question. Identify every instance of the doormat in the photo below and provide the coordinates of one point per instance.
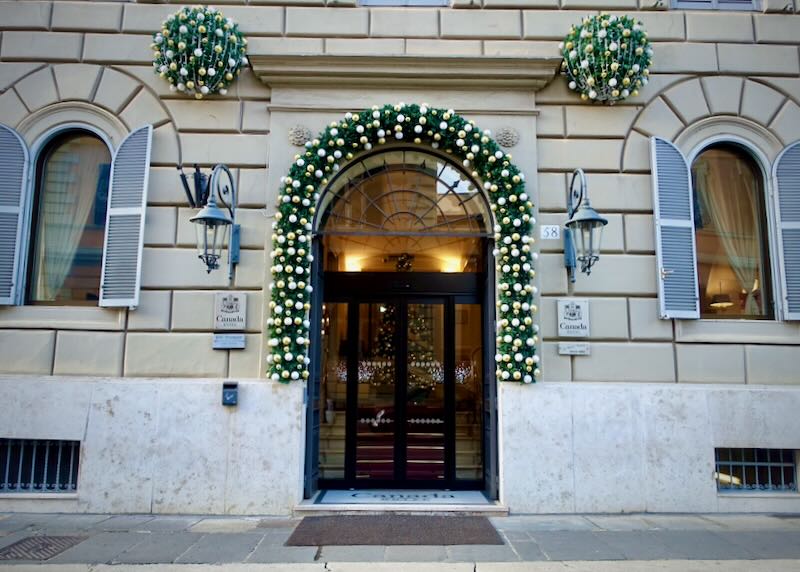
(379, 496)
(393, 530)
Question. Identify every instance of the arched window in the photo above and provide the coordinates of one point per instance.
(726, 246)
(72, 213)
(731, 234)
(69, 219)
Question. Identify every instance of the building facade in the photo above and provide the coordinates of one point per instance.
(682, 396)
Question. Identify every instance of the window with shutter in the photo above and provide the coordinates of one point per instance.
(787, 207)
(675, 237)
(72, 220)
(13, 190)
(122, 259)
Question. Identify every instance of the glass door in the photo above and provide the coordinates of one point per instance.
(425, 412)
(402, 386)
(375, 419)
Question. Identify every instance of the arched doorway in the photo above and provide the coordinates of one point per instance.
(402, 372)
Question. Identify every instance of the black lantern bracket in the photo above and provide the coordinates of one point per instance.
(213, 223)
(583, 228)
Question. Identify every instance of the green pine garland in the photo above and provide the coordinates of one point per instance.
(606, 58)
(337, 145)
(199, 51)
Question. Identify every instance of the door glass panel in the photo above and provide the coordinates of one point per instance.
(333, 393)
(425, 419)
(469, 392)
(375, 421)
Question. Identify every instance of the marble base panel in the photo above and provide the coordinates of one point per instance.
(163, 445)
(628, 447)
(167, 446)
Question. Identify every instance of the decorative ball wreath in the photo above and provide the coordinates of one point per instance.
(339, 143)
(606, 58)
(199, 51)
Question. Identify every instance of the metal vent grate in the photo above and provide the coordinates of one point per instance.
(755, 469)
(39, 547)
(38, 466)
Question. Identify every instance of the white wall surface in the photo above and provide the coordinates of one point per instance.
(164, 446)
(627, 447)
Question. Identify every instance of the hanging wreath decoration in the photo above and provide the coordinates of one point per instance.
(606, 58)
(339, 143)
(199, 51)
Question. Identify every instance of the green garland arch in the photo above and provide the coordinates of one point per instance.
(290, 291)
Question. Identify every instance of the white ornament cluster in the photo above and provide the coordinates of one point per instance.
(606, 58)
(443, 129)
(199, 51)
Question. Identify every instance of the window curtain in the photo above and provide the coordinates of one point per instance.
(727, 198)
(67, 196)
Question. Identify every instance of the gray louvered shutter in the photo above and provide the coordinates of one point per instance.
(787, 208)
(122, 250)
(13, 191)
(675, 240)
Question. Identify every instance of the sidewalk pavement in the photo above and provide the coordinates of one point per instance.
(541, 543)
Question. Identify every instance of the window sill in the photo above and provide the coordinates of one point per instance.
(63, 317)
(737, 331)
(757, 494)
(39, 496)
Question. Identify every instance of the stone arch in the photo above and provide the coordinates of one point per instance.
(736, 100)
(39, 91)
(343, 141)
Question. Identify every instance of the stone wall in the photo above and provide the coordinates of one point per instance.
(708, 65)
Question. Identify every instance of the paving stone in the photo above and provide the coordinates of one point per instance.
(73, 522)
(703, 545)
(123, 522)
(354, 553)
(169, 524)
(528, 550)
(266, 553)
(766, 544)
(16, 522)
(637, 544)
(279, 523)
(620, 523)
(229, 525)
(756, 522)
(100, 548)
(681, 522)
(480, 553)
(575, 545)
(532, 523)
(514, 534)
(218, 548)
(421, 553)
(159, 548)
(276, 537)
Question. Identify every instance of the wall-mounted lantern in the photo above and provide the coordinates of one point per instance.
(212, 224)
(584, 228)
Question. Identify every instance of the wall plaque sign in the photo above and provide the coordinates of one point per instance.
(228, 342)
(573, 318)
(573, 349)
(230, 311)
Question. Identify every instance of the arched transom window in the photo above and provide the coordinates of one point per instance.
(403, 210)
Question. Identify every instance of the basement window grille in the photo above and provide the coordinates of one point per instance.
(38, 466)
(740, 469)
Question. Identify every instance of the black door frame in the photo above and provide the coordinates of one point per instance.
(403, 288)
